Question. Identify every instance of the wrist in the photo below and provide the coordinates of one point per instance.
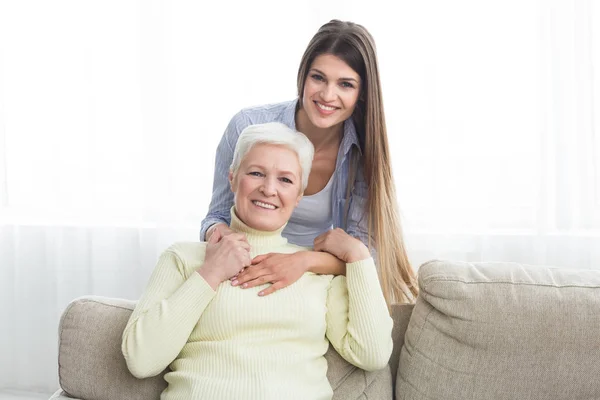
(359, 255)
(210, 275)
(321, 262)
(210, 231)
(307, 259)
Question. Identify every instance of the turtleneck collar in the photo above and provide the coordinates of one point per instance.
(255, 237)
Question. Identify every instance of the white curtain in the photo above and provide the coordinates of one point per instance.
(110, 113)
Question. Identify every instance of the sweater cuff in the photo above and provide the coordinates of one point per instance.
(195, 290)
(362, 274)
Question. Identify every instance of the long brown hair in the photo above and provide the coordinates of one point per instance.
(352, 43)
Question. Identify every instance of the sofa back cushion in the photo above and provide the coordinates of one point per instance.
(92, 367)
(502, 331)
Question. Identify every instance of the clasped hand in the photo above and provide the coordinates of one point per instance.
(282, 270)
(226, 256)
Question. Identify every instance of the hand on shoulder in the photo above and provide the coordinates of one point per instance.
(343, 246)
(222, 228)
(225, 257)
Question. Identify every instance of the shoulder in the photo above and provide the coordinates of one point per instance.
(190, 254)
(274, 112)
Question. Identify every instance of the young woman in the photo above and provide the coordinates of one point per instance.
(340, 109)
(222, 342)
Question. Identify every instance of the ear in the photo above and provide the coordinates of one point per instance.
(231, 183)
(298, 199)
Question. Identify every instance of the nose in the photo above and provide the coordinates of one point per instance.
(268, 188)
(328, 93)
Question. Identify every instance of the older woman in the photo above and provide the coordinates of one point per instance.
(222, 342)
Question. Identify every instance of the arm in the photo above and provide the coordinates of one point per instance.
(222, 196)
(164, 317)
(284, 269)
(358, 322)
(357, 222)
(320, 262)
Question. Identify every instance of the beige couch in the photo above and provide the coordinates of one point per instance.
(477, 331)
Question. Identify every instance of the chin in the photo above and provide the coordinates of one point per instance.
(268, 228)
(323, 124)
(261, 225)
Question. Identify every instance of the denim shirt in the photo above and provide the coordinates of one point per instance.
(222, 196)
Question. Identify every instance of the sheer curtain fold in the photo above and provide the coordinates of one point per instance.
(569, 72)
(110, 114)
(45, 267)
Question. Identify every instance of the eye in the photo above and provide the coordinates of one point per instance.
(255, 173)
(347, 85)
(286, 180)
(317, 77)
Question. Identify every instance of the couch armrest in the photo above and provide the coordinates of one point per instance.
(90, 363)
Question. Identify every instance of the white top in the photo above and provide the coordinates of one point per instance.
(312, 217)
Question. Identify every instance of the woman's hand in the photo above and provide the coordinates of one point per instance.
(280, 269)
(343, 246)
(222, 228)
(225, 257)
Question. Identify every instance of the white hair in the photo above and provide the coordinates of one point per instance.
(275, 133)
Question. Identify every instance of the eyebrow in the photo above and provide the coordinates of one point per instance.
(341, 79)
(279, 171)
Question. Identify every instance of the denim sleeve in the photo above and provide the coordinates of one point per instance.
(358, 222)
(222, 197)
(358, 219)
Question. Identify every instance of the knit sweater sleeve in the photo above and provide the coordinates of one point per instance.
(359, 325)
(164, 317)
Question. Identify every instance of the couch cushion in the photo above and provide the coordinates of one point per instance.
(91, 365)
(502, 331)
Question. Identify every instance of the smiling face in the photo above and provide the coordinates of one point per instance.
(267, 186)
(331, 91)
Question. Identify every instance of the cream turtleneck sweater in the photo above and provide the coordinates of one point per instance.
(233, 344)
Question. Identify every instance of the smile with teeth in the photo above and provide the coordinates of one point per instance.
(324, 107)
(264, 205)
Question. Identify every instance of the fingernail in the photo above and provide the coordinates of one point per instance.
(260, 293)
(245, 285)
(234, 282)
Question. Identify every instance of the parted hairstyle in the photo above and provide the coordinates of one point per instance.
(353, 44)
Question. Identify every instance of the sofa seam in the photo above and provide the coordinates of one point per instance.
(371, 384)
(517, 283)
(104, 304)
(414, 388)
(345, 377)
(60, 341)
(431, 308)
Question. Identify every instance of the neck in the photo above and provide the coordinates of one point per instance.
(320, 137)
(256, 238)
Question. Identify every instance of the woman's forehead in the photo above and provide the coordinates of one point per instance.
(272, 156)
